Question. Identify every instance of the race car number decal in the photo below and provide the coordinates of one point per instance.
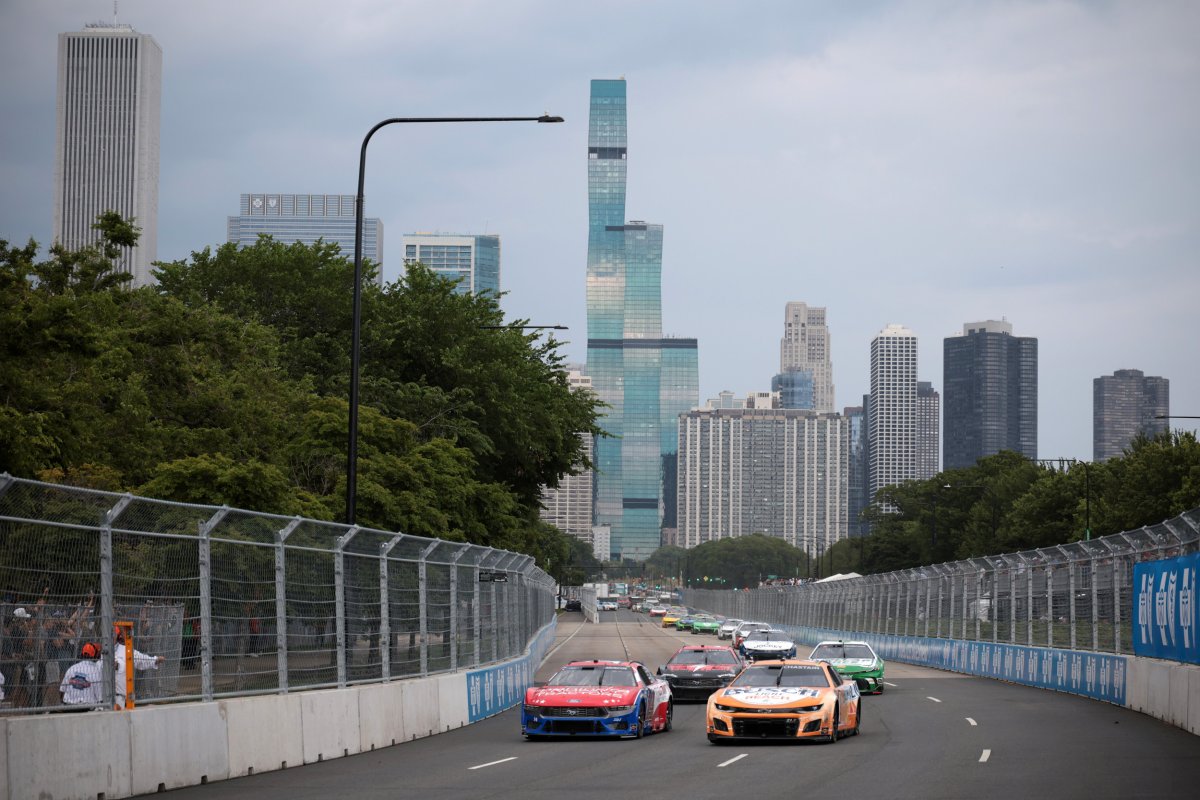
(770, 696)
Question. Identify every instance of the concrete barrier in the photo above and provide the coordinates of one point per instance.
(381, 715)
(175, 746)
(79, 755)
(329, 722)
(452, 702)
(254, 725)
(119, 754)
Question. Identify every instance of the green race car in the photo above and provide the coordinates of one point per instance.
(684, 623)
(854, 660)
(703, 623)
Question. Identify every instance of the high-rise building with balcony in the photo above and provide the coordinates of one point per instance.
(1124, 404)
(107, 142)
(646, 379)
(472, 261)
(778, 472)
(892, 420)
(804, 348)
(306, 218)
(990, 382)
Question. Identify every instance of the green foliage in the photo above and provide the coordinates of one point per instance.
(740, 561)
(226, 385)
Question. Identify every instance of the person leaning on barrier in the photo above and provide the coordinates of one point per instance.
(83, 682)
(141, 663)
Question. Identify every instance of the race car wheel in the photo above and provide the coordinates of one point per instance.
(641, 721)
(712, 737)
(835, 734)
(670, 715)
(857, 719)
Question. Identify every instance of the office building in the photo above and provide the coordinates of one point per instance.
(990, 381)
(892, 420)
(778, 472)
(472, 261)
(1124, 404)
(857, 498)
(805, 347)
(795, 389)
(928, 417)
(646, 379)
(568, 506)
(307, 219)
(107, 139)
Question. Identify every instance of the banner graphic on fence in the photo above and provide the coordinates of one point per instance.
(493, 689)
(1164, 605)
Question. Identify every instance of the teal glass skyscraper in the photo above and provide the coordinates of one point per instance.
(646, 379)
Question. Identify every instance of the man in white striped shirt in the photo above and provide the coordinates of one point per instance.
(83, 684)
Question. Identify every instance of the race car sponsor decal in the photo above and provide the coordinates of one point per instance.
(850, 662)
(770, 695)
(611, 693)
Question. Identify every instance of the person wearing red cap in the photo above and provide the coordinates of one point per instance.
(83, 683)
(141, 662)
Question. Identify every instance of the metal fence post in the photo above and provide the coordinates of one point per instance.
(1072, 567)
(204, 545)
(477, 614)
(385, 607)
(339, 601)
(1095, 608)
(423, 606)
(281, 639)
(454, 607)
(107, 600)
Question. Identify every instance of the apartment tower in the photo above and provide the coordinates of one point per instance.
(892, 411)
(1124, 404)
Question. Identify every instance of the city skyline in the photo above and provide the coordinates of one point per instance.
(1036, 171)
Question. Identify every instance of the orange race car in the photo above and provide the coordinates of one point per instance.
(791, 699)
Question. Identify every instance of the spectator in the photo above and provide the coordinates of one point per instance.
(83, 682)
(141, 663)
(19, 657)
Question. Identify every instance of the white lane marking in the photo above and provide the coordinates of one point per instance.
(973, 722)
(885, 683)
(493, 763)
(986, 755)
(564, 641)
(735, 758)
(934, 699)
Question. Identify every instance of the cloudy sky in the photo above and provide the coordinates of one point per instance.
(925, 163)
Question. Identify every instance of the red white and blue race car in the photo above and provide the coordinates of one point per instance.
(598, 698)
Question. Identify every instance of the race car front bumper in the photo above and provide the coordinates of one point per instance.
(578, 721)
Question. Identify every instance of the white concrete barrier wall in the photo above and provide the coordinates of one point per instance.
(120, 754)
(174, 746)
(254, 725)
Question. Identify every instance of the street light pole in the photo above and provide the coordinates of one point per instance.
(356, 329)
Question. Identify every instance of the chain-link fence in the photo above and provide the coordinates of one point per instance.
(1077, 596)
(225, 602)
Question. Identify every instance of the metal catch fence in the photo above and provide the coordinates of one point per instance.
(229, 602)
(1076, 596)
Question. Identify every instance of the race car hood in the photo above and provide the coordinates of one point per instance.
(755, 644)
(581, 695)
(768, 696)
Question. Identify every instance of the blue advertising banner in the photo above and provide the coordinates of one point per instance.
(1100, 676)
(493, 689)
(1164, 606)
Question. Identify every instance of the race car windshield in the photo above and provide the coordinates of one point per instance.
(783, 675)
(769, 636)
(703, 657)
(593, 676)
(843, 651)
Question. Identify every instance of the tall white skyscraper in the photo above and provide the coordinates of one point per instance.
(892, 421)
(805, 347)
(106, 156)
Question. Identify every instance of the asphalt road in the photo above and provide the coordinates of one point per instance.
(931, 734)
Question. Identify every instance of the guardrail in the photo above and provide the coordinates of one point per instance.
(232, 602)
(1079, 596)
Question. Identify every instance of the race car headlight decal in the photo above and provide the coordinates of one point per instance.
(808, 709)
(618, 711)
(532, 709)
(725, 708)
